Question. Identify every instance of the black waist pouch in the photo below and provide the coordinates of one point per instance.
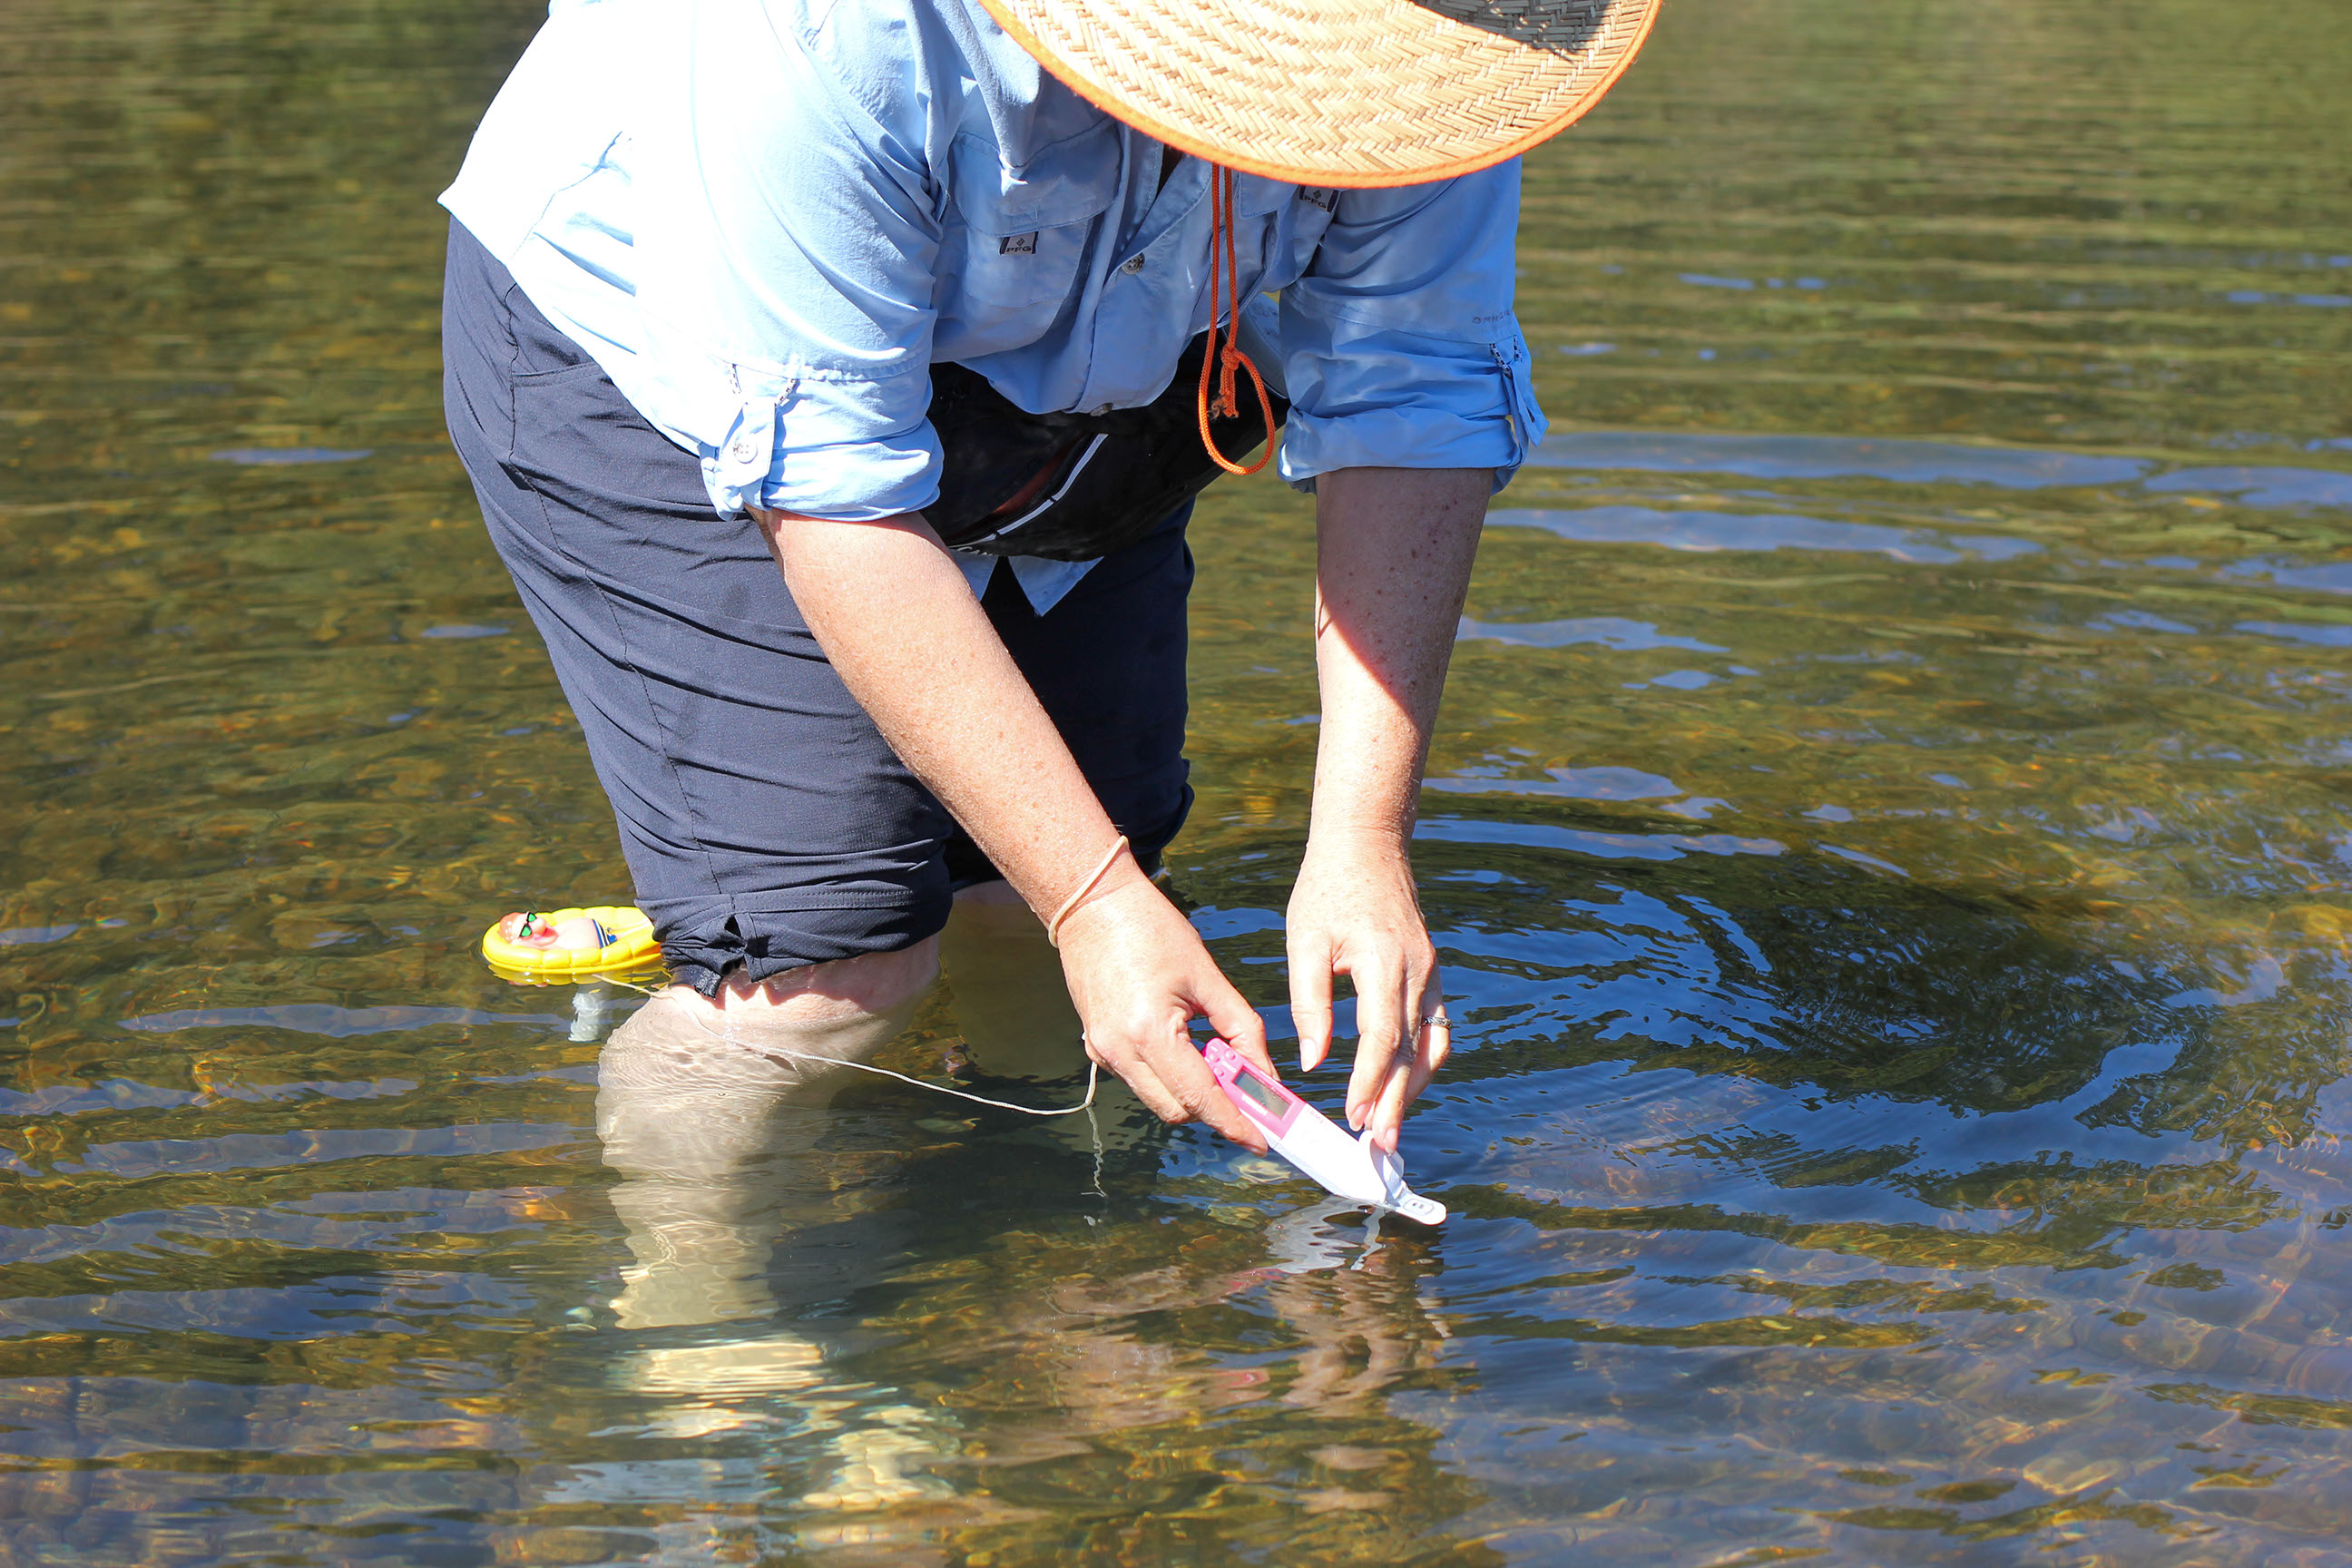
(1074, 487)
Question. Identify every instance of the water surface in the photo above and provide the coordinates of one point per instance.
(1888, 840)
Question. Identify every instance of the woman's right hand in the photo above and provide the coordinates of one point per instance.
(893, 612)
(1138, 974)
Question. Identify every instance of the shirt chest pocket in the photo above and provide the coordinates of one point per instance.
(1015, 239)
(1276, 228)
(1297, 229)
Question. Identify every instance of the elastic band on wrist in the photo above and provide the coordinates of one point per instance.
(1053, 926)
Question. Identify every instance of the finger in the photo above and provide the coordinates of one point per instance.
(1435, 1046)
(1311, 997)
(1131, 1070)
(1386, 1113)
(1379, 1028)
(1187, 1076)
(1426, 1047)
(1238, 1023)
(1437, 1041)
(1387, 1119)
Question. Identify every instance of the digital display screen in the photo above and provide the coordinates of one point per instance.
(1261, 1093)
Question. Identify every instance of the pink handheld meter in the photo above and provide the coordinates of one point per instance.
(1347, 1167)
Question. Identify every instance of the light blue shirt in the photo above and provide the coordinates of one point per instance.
(767, 219)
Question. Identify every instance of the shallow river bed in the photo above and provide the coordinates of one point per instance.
(1888, 840)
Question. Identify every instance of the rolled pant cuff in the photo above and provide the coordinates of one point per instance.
(707, 942)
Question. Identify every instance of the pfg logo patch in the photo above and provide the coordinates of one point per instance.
(1317, 196)
(1018, 245)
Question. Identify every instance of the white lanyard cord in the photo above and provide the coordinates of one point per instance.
(1093, 1072)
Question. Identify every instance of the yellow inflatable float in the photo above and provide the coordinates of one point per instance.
(568, 946)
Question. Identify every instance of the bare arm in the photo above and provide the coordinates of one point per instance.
(894, 614)
(1394, 549)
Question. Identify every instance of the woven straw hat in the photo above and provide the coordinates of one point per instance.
(1337, 92)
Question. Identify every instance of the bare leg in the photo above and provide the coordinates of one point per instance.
(1013, 1008)
(707, 1118)
(691, 1106)
(1012, 1004)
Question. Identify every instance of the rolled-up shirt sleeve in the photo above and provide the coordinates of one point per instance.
(1400, 348)
(787, 285)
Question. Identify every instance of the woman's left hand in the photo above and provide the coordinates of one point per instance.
(1353, 912)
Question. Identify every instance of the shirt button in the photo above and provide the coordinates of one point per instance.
(1133, 264)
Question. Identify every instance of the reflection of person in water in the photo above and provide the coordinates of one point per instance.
(934, 304)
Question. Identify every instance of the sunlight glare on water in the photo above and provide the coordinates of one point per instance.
(1888, 838)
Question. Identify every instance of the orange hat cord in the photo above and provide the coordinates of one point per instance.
(1229, 358)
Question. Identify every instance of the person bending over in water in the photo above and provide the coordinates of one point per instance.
(835, 377)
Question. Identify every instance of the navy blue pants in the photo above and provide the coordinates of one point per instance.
(767, 823)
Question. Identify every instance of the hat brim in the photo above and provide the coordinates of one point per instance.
(1337, 92)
